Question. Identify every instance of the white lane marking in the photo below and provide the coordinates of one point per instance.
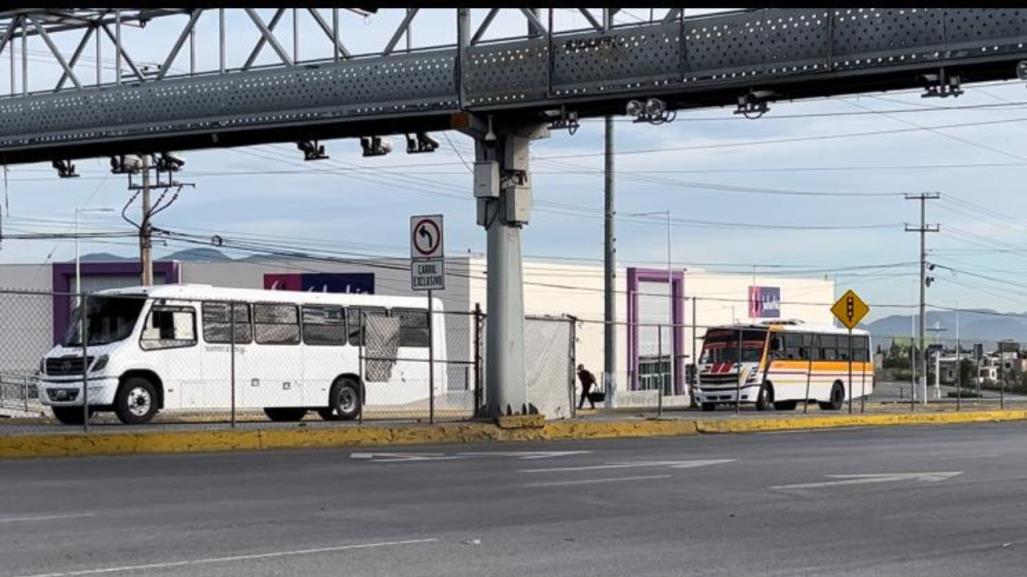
(626, 465)
(593, 481)
(401, 457)
(410, 457)
(525, 455)
(44, 517)
(209, 560)
(927, 477)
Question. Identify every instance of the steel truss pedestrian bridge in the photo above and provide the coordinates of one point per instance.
(502, 92)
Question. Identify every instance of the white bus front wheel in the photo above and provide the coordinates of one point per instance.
(136, 401)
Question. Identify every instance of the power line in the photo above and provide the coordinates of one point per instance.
(791, 140)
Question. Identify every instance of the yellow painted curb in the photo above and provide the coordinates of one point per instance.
(152, 442)
(798, 423)
(564, 430)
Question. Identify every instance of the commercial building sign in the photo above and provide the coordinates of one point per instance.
(328, 282)
(764, 302)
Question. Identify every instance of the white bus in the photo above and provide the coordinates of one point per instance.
(783, 363)
(169, 347)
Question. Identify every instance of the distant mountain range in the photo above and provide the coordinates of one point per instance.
(976, 325)
(187, 255)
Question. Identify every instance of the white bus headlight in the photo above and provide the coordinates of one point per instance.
(42, 366)
(100, 364)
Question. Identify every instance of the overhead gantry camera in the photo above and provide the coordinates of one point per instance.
(421, 142)
(375, 145)
(65, 169)
(653, 111)
(126, 164)
(312, 150)
(169, 162)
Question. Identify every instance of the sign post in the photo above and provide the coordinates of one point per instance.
(427, 273)
(850, 309)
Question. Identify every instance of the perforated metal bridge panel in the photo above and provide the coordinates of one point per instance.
(723, 54)
(402, 84)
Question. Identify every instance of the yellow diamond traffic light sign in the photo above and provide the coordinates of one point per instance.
(850, 309)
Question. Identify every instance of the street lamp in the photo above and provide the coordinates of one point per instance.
(78, 264)
(670, 291)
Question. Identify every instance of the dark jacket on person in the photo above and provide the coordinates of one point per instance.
(587, 379)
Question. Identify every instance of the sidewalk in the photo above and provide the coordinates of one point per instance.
(249, 436)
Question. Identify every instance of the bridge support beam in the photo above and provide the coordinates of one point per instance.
(502, 188)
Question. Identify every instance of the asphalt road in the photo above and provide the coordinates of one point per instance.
(893, 501)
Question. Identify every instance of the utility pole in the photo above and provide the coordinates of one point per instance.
(609, 259)
(923, 229)
(145, 231)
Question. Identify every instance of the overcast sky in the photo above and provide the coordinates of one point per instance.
(711, 167)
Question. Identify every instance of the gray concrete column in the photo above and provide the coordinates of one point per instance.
(502, 187)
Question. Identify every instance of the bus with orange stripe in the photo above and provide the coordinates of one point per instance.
(782, 364)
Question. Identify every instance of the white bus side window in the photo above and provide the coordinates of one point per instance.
(276, 324)
(217, 326)
(829, 347)
(324, 325)
(168, 328)
(793, 346)
(808, 350)
(413, 327)
(860, 349)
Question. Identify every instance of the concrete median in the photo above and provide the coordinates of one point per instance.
(530, 429)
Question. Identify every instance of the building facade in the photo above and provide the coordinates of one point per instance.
(646, 305)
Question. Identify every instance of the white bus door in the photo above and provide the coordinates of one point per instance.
(216, 390)
(170, 347)
(275, 364)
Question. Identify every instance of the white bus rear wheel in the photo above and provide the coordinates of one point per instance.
(345, 400)
(837, 398)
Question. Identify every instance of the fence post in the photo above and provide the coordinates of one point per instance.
(814, 344)
(477, 359)
(83, 334)
(231, 317)
(431, 360)
(866, 354)
(738, 376)
(573, 359)
(912, 377)
(1001, 378)
(362, 319)
(959, 377)
(659, 355)
(695, 361)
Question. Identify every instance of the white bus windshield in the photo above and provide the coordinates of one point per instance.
(721, 345)
(109, 319)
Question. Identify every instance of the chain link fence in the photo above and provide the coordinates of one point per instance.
(980, 378)
(25, 337)
(172, 359)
